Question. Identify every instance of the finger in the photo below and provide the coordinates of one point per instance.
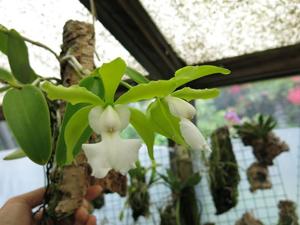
(33, 198)
(38, 216)
(86, 204)
(93, 192)
(81, 215)
(92, 220)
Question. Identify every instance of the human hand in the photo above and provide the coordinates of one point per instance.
(18, 210)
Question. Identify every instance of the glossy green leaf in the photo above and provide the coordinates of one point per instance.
(150, 90)
(144, 128)
(27, 115)
(136, 76)
(190, 73)
(75, 128)
(111, 74)
(17, 54)
(74, 94)
(189, 94)
(3, 39)
(8, 77)
(93, 84)
(164, 122)
(17, 154)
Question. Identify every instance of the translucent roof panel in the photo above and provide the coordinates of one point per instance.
(43, 21)
(207, 30)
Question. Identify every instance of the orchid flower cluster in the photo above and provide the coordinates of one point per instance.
(169, 114)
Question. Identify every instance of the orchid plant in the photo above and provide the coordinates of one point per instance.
(94, 105)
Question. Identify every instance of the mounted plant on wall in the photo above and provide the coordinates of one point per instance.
(171, 214)
(223, 171)
(266, 146)
(138, 197)
(34, 105)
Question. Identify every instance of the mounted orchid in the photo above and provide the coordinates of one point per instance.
(93, 107)
(169, 114)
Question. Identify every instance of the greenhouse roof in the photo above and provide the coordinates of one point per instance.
(171, 33)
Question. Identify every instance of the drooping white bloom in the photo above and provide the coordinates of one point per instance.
(180, 108)
(112, 152)
(190, 133)
(192, 136)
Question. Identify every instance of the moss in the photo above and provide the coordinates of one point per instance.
(223, 171)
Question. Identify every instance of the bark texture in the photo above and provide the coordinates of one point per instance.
(69, 183)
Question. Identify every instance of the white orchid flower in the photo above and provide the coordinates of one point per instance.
(190, 133)
(180, 108)
(112, 152)
(192, 136)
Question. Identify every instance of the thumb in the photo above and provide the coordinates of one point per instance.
(33, 198)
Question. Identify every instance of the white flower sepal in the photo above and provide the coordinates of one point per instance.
(180, 108)
(112, 153)
(192, 135)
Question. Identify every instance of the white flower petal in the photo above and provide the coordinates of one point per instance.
(180, 108)
(96, 155)
(124, 114)
(112, 153)
(94, 119)
(109, 120)
(192, 136)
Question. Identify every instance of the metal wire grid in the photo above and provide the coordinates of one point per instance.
(159, 195)
(262, 204)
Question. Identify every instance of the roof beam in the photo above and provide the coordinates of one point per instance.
(273, 63)
(131, 25)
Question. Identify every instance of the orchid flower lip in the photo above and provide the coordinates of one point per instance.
(108, 154)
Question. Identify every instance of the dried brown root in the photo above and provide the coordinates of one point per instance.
(258, 177)
(248, 219)
(268, 148)
(287, 213)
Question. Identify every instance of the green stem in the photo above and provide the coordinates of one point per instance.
(5, 88)
(125, 84)
(177, 215)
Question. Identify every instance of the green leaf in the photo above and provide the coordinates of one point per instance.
(192, 180)
(136, 76)
(18, 58)
(190, 73)
(150, 90)
(75, 127)
(189, 94)
(8, 77)
(74, 94)
(164, 122)
(3, 39)
(17, 154)
(27, 115)
(143, 127)
(93, 84)
(111, 74)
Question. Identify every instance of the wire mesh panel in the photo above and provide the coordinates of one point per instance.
(262, 203)
(159, 195)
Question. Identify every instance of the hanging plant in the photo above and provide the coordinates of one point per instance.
(170, 214)
(138, 191)
(258, 177)
(248, 219)
(258, 134)
(287, 213)
(223, 171)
